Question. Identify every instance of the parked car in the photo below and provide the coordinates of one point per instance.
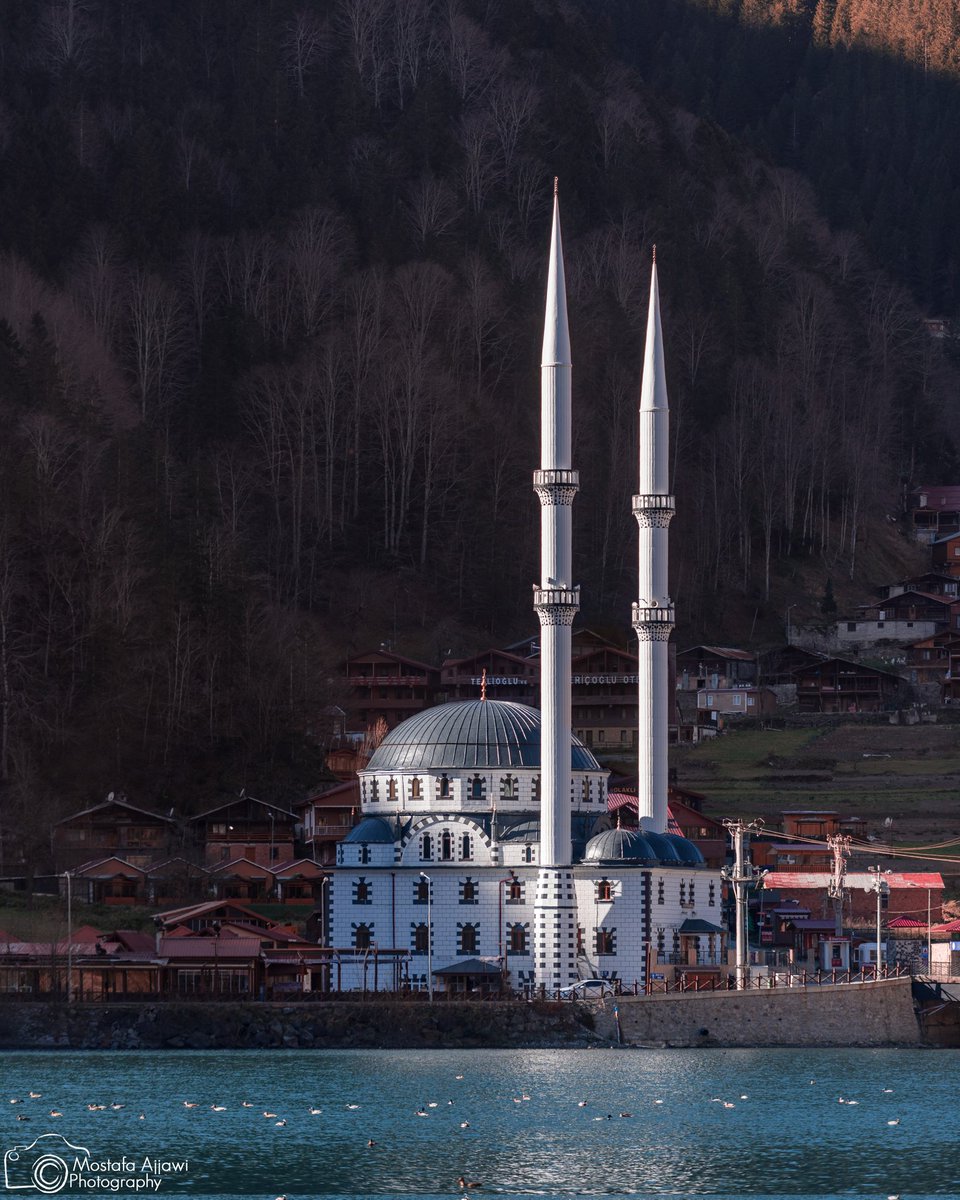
(586, 989)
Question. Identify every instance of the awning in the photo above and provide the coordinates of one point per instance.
(696, 925)
(470, 966)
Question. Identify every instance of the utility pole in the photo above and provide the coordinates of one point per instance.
(840, 849)
(740, 875)
(882, 888)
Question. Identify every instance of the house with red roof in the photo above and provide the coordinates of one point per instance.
(909, 893)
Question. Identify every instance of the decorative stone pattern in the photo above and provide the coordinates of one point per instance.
(653, 623)
(556, 487)
(556, 606)
(654, 511)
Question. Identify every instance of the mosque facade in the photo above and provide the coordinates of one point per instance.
(485, 855)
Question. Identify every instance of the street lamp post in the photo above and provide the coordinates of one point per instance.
(66, 876)
(882, 888)
(429, 883)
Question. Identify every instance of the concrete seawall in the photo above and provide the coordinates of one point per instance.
(869, 1014)
(878, 1013)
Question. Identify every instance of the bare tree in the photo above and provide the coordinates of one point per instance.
(159, 342)
(431, 208)
(68, 34)
(302, 44)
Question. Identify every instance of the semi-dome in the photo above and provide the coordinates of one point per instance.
(618, 846)
(470, 733)
(687, 851)
(371, 830)
(663, 847)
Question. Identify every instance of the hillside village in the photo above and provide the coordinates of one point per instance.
(231, 901)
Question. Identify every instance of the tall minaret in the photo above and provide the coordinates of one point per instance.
(556, 601)
(653, 615)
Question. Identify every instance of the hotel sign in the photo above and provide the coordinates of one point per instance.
(577, 680)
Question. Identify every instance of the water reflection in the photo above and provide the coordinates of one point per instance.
(538, 1122)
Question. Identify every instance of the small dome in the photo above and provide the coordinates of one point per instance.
(467, 734)
(663, 847)
(619, 845)
(686, 850)
(371, 830)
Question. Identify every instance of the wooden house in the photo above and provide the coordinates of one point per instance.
(262, 833)
(508, 677)
(716, 668)
(388, 687)
(934, 511)
(945, 554)
(109, 881)
(928, 660)
(113, 829)
(327, 817)
(837, 685)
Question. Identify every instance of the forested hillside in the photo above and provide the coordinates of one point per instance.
(271, 292)
(859, 95)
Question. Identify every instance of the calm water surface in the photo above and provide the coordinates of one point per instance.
(720, 1123)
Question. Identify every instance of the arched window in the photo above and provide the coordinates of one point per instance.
(535, 788)
(361, 892)
(362, 936)
(374, 789)
(468, 939)
(476, 788)
(391, 789)
(585, 790)
(421, 939)
(509, 787)
(466, 847)
(415, 788)
(443, 787)
(604, 890)
(468, 891)
(421, 892)
(426, 847)
(515, 892)
(446, 846)
(518, 939)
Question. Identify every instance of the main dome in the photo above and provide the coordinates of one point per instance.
(470, 733)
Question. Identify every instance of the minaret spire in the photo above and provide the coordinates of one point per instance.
(556, 601)
(653, 613)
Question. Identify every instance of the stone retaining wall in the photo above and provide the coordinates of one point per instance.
(877, 1013)
(869, 1014)
(316, 1025)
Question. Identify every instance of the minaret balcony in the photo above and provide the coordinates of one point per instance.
(653, 622)
(556, 605)
(556, 486)
(654, 509)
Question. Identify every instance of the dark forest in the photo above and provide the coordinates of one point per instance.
(271, 286)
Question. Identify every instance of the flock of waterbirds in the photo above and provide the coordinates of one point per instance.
(424, 1110)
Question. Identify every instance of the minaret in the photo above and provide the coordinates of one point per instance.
(556, 601)
(653, 615)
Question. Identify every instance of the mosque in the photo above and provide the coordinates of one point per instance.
(485, 854)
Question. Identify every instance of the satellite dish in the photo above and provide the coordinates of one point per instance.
(887, 822)
(109, 796)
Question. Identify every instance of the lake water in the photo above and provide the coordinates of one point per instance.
(720, 1123)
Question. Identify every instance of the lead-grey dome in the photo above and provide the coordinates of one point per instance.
(470, 733)
(619, 845)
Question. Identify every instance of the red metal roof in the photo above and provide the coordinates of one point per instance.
(202, 947)
(861, 880)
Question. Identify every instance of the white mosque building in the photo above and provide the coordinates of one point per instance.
(485, 853)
